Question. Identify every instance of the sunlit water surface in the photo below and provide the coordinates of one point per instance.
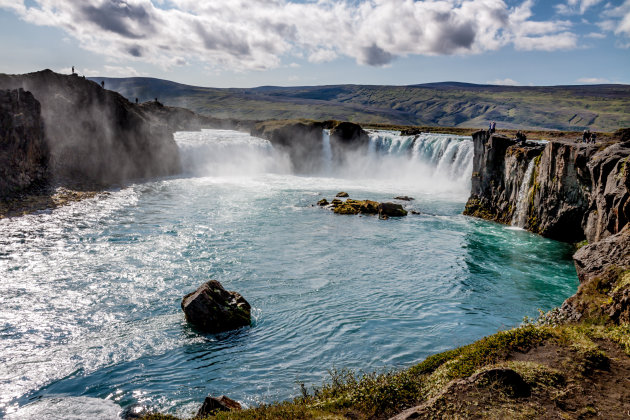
(90, 318)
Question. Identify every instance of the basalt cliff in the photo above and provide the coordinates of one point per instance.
(574, 191)
(23, 148)
(69, 130)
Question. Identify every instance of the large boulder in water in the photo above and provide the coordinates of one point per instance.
(391, 210)
(213, 309)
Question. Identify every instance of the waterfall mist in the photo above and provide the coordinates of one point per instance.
(229, 153)
(431, 163)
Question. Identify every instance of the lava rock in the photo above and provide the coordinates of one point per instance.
(24, 152)
(213, 309)
(212, 405)
(342, 194)
(336, 202)
(404, 198)
(391, 210)
(322, 202)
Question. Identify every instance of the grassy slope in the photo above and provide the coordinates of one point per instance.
(602, 107)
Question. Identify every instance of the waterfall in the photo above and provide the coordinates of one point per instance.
(326, 151)
(519, 218)
(447, 156)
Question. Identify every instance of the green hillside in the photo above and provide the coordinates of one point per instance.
(598, 107)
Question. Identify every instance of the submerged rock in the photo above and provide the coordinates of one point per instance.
(391, 210)
(213, 309)
(404, 198)
(342, 194)
(212, 405)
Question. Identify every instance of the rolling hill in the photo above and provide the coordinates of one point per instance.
(598, 107)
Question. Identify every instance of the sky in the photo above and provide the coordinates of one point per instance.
(247, 43)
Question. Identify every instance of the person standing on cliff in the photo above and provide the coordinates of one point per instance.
(73, 70)
(493, 127)
(103, 84)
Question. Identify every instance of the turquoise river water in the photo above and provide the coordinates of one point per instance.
(90, 318)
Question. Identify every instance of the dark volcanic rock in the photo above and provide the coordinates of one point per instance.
(561, 191)
(609, 208)
(342, 194)
(404, 198)
(575, 191)
(604, 272)
(499, 166)
(212, 405)
(391, 210)
(213, 309)
(322, 202)
(301, 140)
(23, 150)
(95, 135)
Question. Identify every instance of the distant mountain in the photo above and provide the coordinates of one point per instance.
(453, 104)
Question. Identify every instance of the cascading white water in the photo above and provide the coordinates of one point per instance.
(326, 151)
(229, 153)
(519, 218)
(444, 157)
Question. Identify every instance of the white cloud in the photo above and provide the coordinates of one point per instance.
(593, 80)
(261, 34)
(595, 35)
(576, 6)
(504, 82)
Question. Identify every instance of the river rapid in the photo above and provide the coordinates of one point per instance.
(90, 317)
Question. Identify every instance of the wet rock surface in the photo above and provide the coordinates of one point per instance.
(24, 152)
(213, 309)
(368, 207)
(576, 190)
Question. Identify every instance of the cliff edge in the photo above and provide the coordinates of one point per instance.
(23, 149)
(574, 191)
(95, 135)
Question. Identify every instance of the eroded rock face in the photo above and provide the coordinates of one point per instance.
(576, 191)
(499, 167)
(604, 272)
(23, 150)
(561, 191)
(213, 309)
(609, 207)
(95, 135)
(301, 140)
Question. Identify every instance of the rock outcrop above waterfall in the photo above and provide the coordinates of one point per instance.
(23, 149)
(95, 135)
(213, 309)
(302, 140)
(576, 191)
